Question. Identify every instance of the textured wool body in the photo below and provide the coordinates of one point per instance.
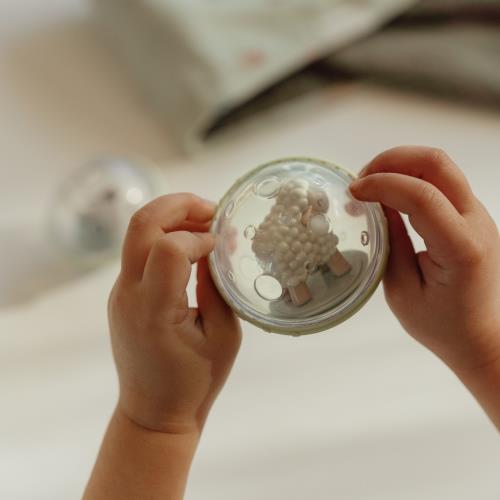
(286, 247)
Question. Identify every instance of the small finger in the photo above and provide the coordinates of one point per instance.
(160, 216)
(168, 267)
(429, 164)
(430, 213)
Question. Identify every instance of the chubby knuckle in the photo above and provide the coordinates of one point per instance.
(438, 157)
(170, 246)
(426, 195)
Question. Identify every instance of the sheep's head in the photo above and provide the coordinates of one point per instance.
(318, 200)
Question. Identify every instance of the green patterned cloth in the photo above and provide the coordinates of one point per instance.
(204, 64)
(198, 59)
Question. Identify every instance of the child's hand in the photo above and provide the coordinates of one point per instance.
(447, 297)
(172, 360)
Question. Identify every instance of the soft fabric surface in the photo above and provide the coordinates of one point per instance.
(196, 60)
(449, 46)
(205, 65)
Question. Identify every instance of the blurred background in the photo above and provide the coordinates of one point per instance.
(106, 104)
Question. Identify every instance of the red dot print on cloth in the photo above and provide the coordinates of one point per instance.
(253, 57)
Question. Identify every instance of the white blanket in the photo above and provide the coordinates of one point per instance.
(354, 413)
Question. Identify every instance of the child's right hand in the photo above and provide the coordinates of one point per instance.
(172, 360)
(447, 297)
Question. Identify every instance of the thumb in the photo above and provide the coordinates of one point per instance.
(402, 268)
(219, 321)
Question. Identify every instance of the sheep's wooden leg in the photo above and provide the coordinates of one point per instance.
(300, 294)
(338, 264)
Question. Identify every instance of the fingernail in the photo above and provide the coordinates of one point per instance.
(209, 202)
(355, 185)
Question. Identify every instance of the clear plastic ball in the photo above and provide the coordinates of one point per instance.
(295, 253)
(92, 207)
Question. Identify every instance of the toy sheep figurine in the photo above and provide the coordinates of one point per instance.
(294, 239)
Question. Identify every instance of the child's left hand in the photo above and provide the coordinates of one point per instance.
(172, 360)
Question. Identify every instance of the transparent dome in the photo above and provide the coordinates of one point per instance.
(295, 253)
